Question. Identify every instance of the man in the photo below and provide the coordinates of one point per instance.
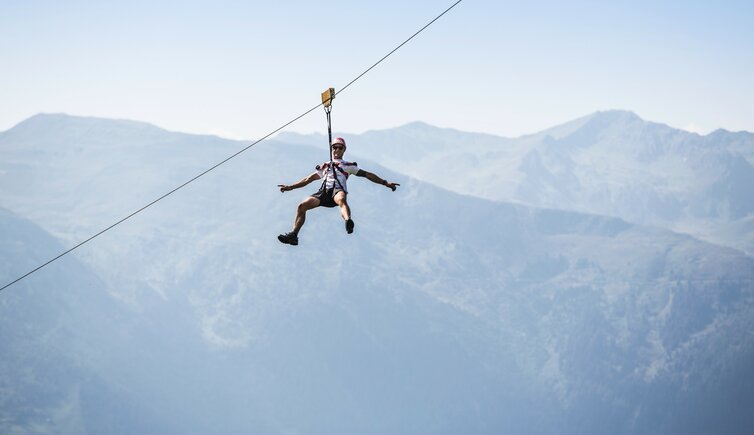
(333, 191)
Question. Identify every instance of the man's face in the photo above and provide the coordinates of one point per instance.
(338, 151)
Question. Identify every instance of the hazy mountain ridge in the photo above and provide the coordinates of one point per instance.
(56, 337)
(609, 163)
(443, 313)
(81, 158)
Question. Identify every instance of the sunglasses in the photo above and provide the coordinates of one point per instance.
(338, 147)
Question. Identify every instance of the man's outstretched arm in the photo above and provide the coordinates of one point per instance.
(375, 179)
(301, 183)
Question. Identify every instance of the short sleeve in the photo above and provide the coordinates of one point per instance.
(351, 168)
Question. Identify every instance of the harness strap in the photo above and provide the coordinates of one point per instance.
(329, 169)
(328, 109)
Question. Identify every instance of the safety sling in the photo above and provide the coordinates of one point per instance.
(327, 98)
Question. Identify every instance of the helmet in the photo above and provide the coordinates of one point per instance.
(339, 141)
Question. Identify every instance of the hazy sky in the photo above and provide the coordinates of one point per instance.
(240, 69)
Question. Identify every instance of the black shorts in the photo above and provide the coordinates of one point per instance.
(325, 197)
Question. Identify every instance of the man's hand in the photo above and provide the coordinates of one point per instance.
(284, 187)
(392, 186)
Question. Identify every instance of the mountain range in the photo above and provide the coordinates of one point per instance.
(449, 310)
(610, 163)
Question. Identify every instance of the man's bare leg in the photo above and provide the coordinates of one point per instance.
(306, 205)
(345, 210)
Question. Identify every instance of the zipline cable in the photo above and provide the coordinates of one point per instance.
(226, 159)
(398, 47)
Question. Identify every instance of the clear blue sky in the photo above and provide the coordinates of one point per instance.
(241, 68)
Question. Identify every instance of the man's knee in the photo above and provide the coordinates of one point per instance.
(340, 198)
(307, 204)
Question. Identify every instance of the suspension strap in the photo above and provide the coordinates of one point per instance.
(327, 98)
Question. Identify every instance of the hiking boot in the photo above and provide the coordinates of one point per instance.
(289, 238)
(349, 226)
